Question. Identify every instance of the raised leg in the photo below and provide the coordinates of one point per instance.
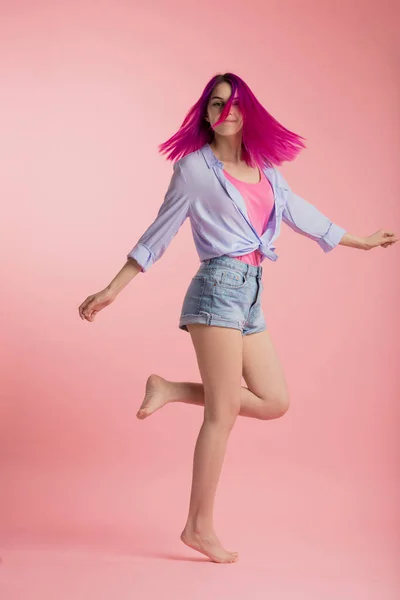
(265, 397)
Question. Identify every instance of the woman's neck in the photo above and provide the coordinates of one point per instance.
(227, 150)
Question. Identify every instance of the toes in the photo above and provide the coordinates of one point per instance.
(234, 556)
(230, 559)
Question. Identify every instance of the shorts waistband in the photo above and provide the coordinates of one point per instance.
(239, 265)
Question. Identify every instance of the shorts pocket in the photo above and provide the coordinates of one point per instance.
(229, 278)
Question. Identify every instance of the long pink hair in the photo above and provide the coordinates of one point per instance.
(264, 140)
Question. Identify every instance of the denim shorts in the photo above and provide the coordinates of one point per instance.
(225, 292)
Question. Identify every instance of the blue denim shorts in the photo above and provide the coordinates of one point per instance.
(225, 292)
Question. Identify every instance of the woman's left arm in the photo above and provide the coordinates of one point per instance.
(303, 217)
(382, 238)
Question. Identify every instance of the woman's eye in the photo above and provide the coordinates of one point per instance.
(235, 102)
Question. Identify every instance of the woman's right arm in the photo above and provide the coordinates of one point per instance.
(150, 246)
(130, 269)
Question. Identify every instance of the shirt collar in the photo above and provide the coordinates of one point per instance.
(212, 160)
(209, 156)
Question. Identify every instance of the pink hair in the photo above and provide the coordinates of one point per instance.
(264, 139)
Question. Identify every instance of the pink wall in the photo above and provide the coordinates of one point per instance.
(88, 90)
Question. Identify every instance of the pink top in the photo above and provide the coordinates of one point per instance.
(259, 199)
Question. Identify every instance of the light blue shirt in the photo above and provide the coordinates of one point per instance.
(218, 216)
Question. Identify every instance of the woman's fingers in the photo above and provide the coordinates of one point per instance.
(84, 309)
(388, 238)
(389, 242)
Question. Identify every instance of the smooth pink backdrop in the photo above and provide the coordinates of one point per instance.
(92, 500)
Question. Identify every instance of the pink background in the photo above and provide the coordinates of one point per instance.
(92, 500)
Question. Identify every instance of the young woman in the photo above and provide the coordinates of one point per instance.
(226, 181)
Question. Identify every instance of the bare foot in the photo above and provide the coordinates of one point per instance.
(208, 545)
(157, 394)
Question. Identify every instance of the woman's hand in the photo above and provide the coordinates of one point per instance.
(93, 304)
(381, 238)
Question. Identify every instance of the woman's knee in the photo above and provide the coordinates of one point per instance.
(277, 405)
(283, 405)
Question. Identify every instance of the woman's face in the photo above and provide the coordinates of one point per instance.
(234, 121)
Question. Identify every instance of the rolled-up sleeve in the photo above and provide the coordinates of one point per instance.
(303, 217)
(172, 213)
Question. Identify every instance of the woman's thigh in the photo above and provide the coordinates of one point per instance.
(219, 358)
(262, 369)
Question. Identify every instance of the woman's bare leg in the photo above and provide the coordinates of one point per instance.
(266, 396)
(219, 357)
